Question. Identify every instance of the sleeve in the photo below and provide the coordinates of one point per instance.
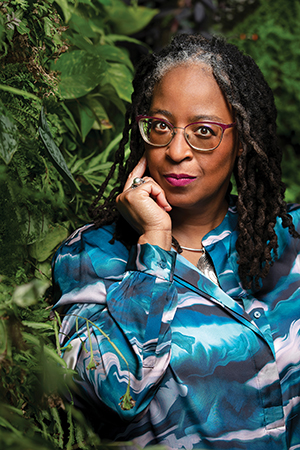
(118, 327)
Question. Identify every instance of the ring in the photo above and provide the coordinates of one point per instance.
(137, 182)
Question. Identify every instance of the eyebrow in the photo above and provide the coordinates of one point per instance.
(197, 118)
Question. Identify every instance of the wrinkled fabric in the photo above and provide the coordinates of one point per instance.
(210, 367)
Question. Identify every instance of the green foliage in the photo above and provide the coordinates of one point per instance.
(61, 69)
(33, 413)
(65, 80)
(271, 36)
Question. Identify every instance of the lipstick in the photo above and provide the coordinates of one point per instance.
(179, 180)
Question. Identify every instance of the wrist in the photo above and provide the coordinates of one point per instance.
(157, 237)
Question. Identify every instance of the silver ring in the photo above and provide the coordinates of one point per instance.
(137, 182)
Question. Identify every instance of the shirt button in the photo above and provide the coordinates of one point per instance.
(257, 314)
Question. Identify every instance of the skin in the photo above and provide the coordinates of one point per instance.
(157, 209)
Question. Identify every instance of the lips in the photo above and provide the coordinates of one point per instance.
(180, 179)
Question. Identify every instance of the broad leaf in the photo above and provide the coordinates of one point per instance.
(82, 25)
(120, 77)
(92, 115)
(114, 54)
(80, 73)
(87, 119)
(129, 19)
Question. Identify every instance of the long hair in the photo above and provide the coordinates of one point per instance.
(257, 171)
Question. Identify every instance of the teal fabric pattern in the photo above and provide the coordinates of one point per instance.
(210, 367)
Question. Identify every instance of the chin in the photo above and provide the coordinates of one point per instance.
(180, 203)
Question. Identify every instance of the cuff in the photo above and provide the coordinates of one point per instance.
(153, 260)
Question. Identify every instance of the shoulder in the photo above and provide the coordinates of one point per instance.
(294, 210)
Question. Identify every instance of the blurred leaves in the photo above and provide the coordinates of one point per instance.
(29, 293)
(43, 249)
(128, 19)
(271, 36)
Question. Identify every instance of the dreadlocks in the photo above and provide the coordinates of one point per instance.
(257, 171)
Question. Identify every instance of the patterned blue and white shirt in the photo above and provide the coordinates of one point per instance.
(210, 367)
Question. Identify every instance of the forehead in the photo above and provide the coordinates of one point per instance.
(190, 90)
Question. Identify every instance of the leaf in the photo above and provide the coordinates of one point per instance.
(82, 25)
(37, 325)
(80, 73)
(81, 42)
(121, 38)
(9, 135)
(43, 248)
(16, 91)
(120, 77)
(111, 53)
(129, 19)
(87, 120)
(48, 27)
(104, 156)
(6, 424)
(54, 153)
(109, 93)
(70, 121)
(22, 29)
(96, 116)
(65, 7)
(48, 351)
(28, 294)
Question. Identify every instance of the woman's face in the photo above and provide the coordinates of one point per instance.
(189, 94)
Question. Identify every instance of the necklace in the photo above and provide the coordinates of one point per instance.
(193, 249)
(204, 264)
(179, 247)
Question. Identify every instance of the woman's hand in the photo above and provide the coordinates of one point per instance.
(146, 209)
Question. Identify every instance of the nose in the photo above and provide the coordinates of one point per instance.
(179, 149)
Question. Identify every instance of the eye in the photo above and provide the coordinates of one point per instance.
(204, 131)
(159, 126)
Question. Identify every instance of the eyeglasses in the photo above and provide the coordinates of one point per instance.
(202, 136)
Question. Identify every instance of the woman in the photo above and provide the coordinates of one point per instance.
(197, 289)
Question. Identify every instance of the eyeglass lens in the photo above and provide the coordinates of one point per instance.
(200, 135)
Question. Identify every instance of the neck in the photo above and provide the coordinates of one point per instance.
(189, 227)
